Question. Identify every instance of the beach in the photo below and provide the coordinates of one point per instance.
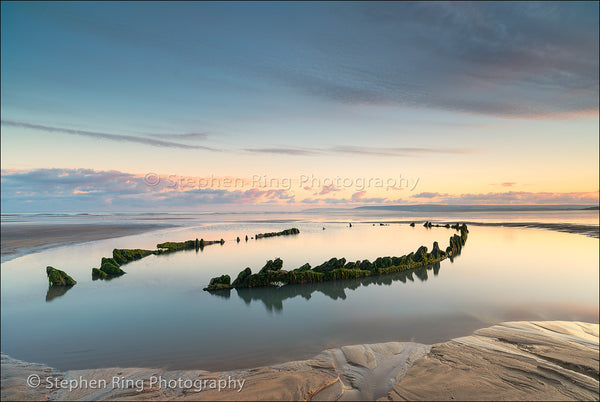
(300, 201)
(23, 238)
(499, 359)
(551, 360)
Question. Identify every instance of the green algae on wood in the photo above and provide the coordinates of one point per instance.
(286, 232)
(123, 256)
(56, 277)
(171, 246)
(272, 273)
(98, 274)
(219, 283)
(110, 267)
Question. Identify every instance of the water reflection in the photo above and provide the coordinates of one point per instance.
(471, 293)
(224, 293)
(56, 291)
(273, 298)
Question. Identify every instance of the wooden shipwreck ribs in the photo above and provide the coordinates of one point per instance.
(111, 267)
(334, 269)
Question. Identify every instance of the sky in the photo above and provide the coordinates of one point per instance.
(202, 106)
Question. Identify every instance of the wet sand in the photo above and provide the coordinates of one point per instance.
(546, 360)
(587, 230)
(19, 239)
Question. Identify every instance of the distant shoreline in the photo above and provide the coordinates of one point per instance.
(441, 208)
(575, 228)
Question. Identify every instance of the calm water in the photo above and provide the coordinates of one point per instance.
(341, 215)
(158, 315)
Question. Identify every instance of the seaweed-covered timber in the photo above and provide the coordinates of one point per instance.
(428, 225)
(123, 256)
(56, 277)
(171, 246)
(272, 274)
(111, 267)
(286, 232)
(221, 282)
(98, 274)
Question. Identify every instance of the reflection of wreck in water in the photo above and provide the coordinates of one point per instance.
(273, 297)
(224, 293)
(56, 291)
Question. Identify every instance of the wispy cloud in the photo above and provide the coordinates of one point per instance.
(395, 151)
(524, 60)
(429, 195)
(284, 151)
(358, 150)
(105, 136)
(184, 136)
(342, 149)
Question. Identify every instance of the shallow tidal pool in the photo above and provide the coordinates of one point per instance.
(158, 315)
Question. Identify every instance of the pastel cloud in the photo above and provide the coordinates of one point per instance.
(328, 189)
(505, 184)
(428, 195)
(83, 189)
(359, 195)
(87, 189)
